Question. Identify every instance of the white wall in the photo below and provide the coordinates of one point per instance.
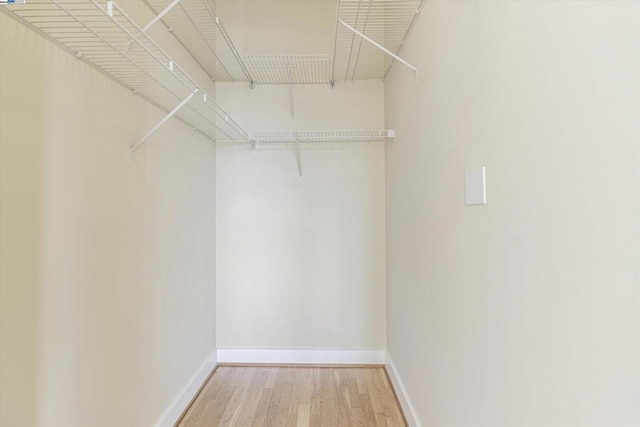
(107, 264)
(301, 264)
(524, 311)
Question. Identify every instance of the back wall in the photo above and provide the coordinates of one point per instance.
(301, 264)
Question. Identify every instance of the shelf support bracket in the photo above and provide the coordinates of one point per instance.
(290, 90)
(164, 120)
(160, 15)
(298, 160)
(378, 45)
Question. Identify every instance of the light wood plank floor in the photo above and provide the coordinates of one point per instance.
(295, 396)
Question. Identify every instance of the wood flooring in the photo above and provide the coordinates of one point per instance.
(295, 396)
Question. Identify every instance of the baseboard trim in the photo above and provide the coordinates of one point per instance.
(411, 417)
(300, 356)
(181, 404)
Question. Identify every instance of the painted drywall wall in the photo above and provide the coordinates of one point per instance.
(301, 264)
(524, 311)
(107, 264)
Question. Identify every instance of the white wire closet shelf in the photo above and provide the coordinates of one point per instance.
(199, 29)
(289, 69)
(105, 37)
(323, 136)
(387, 22)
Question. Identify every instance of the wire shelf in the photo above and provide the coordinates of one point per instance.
(285, 69)
(199, 28)
(323, 136)
(106, 38)
(388, 22)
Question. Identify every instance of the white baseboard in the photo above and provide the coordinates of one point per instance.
(308, 356)
(178, 406)
(407, 407)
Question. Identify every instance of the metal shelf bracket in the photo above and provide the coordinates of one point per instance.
(378, 45)
(164, 120)
(299, 161)
(160, 15)
(290, 90)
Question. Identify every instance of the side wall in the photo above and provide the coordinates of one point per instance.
(301, 263)
(107, 264)
(524, 311)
